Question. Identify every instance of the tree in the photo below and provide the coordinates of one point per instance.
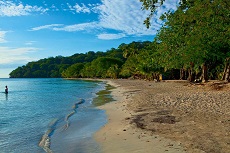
(195, 37)
(152, 5)
(129, 68)
(143, 63)
(113, 72)
(133, 48)
(98, 68)
(73, 71)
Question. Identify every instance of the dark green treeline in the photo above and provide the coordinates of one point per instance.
(193, 44)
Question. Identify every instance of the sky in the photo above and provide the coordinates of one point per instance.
(34, 29)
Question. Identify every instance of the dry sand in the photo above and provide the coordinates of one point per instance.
(172, 117)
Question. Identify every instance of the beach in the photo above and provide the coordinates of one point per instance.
(167, 116)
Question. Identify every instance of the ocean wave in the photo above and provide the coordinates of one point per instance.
(74, 107)
(45, 140)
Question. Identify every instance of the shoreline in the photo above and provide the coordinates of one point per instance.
(170, 116)
(118, 135)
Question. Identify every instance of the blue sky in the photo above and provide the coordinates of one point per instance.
(35, 29)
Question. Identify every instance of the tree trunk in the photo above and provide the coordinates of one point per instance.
(204, 75)
(191, 76)
(227, 74)
(226, 70)
(182, 74)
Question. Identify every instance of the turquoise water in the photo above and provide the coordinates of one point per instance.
(60, 108)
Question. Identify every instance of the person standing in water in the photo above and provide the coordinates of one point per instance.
(6, 90)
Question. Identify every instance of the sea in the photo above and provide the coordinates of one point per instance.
(49, 115)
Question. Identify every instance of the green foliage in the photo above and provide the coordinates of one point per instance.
(113, 72)
(150, 5)
(52, 67)
(133, 48)
(129, 68)
(196, 34)
(72, 67)
(102, 67)
(73, 71)
(142, 61)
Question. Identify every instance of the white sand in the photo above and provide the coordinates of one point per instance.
(119, 136)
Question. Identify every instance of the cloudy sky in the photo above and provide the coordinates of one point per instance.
(35, 29)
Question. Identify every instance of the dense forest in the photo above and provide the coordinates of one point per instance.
(193, 44)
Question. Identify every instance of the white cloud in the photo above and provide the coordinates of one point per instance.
(2, 36)
(126, 17)
(83, 8)
(16, 55)
(51, 26)
(78, 27)
(8, 8)
(111, 36)
(69, 28)
(29, 43)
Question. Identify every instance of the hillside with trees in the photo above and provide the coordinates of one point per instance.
(193, 44)
(68, 67)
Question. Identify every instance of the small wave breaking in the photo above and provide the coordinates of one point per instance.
(45, 141)
(74, 107)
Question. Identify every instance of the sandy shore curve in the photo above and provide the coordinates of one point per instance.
(170, 116)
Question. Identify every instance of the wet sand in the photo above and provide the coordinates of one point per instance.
(172, 117)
